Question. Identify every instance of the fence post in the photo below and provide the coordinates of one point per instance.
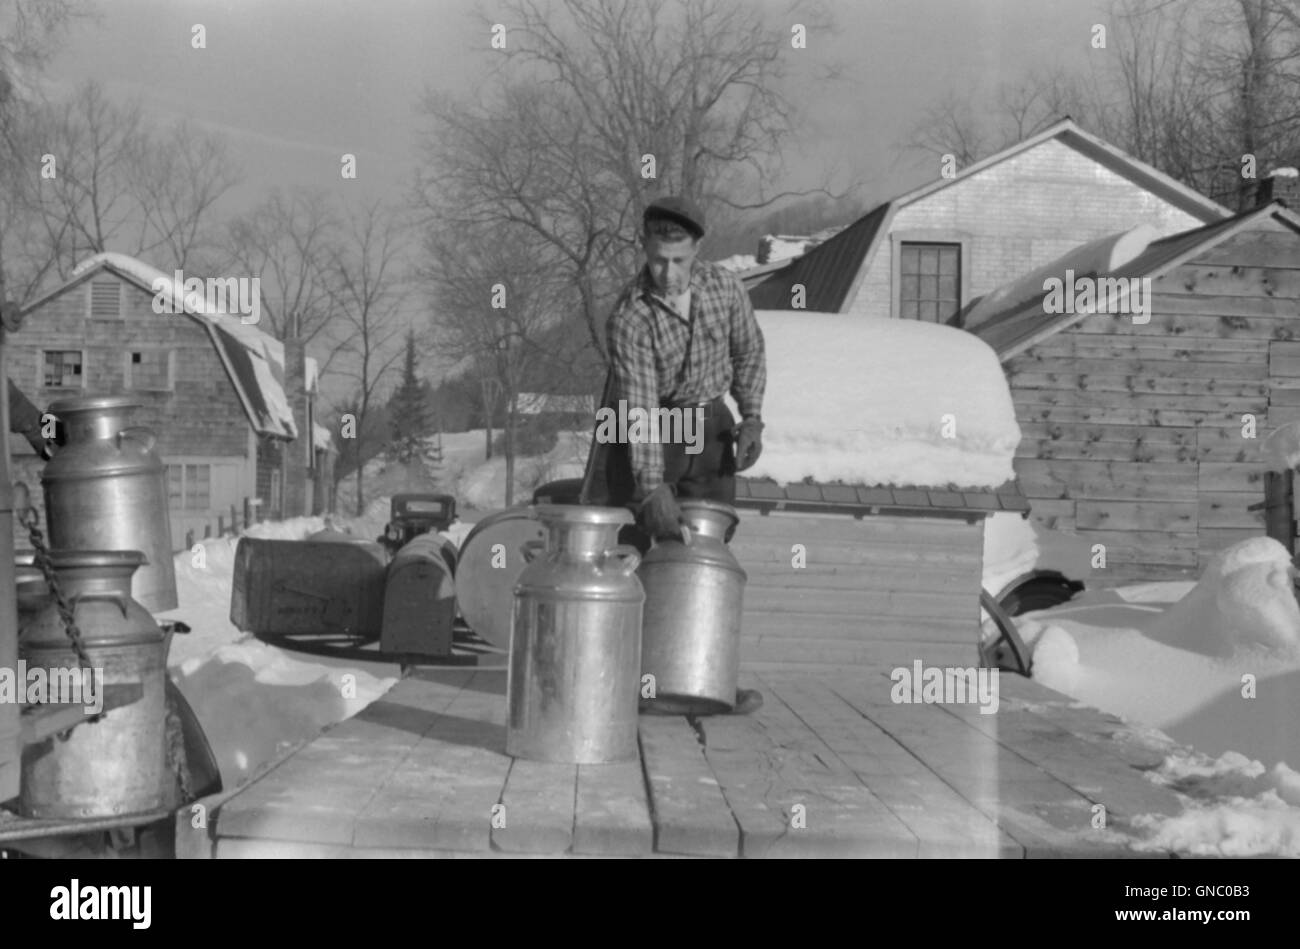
(189, 539)
(248, 513)
(207, 531)
(234, 521)
(221, 525)
(1279, 508)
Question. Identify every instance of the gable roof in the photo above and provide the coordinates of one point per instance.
(1024, 323)
(838, 270)
(253, 360)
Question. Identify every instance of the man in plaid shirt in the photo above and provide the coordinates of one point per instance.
(681, 336)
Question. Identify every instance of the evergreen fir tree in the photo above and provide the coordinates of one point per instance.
(409, 417)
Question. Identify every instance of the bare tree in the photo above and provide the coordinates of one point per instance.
(558, 145)
(291, 243)
(367, 292)
(498, 293)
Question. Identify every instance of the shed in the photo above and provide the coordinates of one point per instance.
(1142, 431)
(887, 445)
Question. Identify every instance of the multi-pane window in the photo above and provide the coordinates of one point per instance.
(189, 487)
(63, 369)
(148, 369)
(106, 299)
(931, 282)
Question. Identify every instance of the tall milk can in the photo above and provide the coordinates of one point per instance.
(575, 645)
(694, 593)
(106, 489)
(116, 765)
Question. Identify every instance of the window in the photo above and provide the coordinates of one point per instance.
(149, 370)
(189, 487)
(931, 282)
(63, 369)
(106, 299)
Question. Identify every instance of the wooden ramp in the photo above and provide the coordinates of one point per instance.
(830, 765)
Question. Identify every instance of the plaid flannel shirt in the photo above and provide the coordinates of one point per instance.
(649, 346)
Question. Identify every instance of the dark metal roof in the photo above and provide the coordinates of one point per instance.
(1026, 320)
(880, 499)
(827, 272)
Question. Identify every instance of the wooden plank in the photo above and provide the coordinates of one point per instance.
(1146, 382)
(1172, 516)
(690, 813)
(1158, 348)
(1223, 444)
(1209, 365)
(1083, 432)
(1208, 402)
(1142, 539)
(1214, 539)
(863, 554)
(1125, 415)
(537, 808)
(1217, 280)
(1107, 480)
(961, 640)
(1257, 249)
(836, 528)
(1085, 767)
(880, 605)
(1229, 509)
(1233, 478)
(944, 824)
(1211, 306)
(913, 576)
(1039, 812)
(613, 812)
(441, 795)
(1062, 449)
(1057, 514)
(295, 802)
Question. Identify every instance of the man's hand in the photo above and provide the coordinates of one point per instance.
(749, 442)
(659, 514)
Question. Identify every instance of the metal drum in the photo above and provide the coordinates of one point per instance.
(116, 765)
(575, 651)
(106, 489)
(694, 597)
(489, 565)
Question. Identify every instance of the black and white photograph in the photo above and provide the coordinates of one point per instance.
(651, 429)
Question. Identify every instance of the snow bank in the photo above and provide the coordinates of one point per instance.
(1010, 549)
(1236, 808)
(255, 701)
(881, 401)
(1245, 599)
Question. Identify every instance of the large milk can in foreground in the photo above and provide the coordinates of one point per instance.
(575, 648)
(116, 765)
(106, 489)
(694, 592)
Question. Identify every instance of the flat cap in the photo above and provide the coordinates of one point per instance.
(679, 210)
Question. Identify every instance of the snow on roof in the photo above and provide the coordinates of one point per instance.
(322, 440)
(880, 401)
(265, 370)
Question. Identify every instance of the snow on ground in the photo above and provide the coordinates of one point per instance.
(1215, 666)
(484, 485)
(892, 402)
(255, 701)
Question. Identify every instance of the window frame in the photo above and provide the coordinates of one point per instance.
(40, 371)
(128, 377)
(185, 508)
(958, 239)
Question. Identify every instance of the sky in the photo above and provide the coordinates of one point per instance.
(295, 84)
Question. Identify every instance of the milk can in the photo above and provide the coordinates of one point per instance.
(106, 489)
(694, 592)
(575, 647)
(116, 765)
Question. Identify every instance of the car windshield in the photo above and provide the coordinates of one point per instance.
(424, 507)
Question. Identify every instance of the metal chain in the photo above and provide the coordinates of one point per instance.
(29, 519)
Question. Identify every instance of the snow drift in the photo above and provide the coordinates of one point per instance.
(879, 401)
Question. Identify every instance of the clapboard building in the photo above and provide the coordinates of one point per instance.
(1144, 435)
(927, 253)
(229, 403)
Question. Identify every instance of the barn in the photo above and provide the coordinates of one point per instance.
(1143, 409)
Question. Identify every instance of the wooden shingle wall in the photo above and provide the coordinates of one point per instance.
(1138, 437)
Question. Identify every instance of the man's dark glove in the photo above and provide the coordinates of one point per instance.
(659, 514)
(749, 442)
